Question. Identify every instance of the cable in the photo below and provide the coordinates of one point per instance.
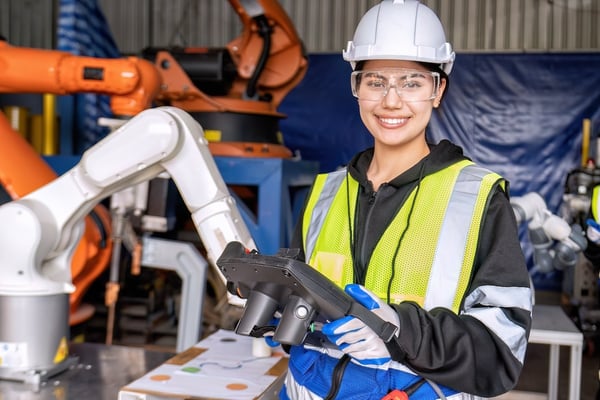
(436, 389)
(265, 31)
(336, 379)
(351, 232)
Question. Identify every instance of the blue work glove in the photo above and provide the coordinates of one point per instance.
(274, 322)
(354, 337)
(593, 231)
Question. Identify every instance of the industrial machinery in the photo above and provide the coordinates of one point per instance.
(234, 92)
(132, 84)
(40, 231)
(283, 285)
(556, 244)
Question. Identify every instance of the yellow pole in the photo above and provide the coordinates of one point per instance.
(36, 132)
(50, 141)
(585, 142)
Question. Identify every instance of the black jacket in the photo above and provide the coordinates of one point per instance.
(457, 351)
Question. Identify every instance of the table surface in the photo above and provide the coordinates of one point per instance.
(551, 325)
(99, 372)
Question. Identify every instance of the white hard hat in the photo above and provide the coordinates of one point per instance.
(400, 30)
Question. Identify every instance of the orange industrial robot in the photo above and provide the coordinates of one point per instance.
(234, 92)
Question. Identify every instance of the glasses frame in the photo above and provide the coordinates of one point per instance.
(436, 77)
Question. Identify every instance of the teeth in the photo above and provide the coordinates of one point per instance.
(392, 120)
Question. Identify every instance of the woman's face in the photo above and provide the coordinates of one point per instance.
(393, 119)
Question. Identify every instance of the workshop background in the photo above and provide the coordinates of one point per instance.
(523, 91)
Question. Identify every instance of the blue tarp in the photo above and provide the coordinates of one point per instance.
(520, 115)
(83, 30)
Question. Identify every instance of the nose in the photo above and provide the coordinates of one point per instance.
(392, 98)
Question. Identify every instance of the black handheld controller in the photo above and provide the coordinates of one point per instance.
(299, 292)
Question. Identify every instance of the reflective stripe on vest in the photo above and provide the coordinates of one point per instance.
(437, 253)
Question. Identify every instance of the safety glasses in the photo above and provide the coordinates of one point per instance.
(410, 85)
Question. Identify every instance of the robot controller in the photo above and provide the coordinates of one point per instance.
(300, 293)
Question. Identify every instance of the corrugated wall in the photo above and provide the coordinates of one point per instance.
(323, 25)
(28, 22)
(326, 25)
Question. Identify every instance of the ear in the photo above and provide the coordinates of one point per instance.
(438, 98)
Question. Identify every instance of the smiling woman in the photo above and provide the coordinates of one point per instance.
(416, 232)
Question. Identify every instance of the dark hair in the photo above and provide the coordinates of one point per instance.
(443, 75)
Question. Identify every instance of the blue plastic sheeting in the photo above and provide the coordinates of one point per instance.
(83, 30)
(520, 115)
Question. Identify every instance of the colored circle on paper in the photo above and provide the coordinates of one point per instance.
(237, 386)
(191, 370)
(160, 378)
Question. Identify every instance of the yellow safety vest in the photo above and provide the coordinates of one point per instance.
(434, 262)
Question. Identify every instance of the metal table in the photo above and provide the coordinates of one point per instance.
(99, 371)
(551, 326)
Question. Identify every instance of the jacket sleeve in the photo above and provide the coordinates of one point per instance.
(481, 350)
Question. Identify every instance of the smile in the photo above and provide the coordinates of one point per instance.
(393, 121)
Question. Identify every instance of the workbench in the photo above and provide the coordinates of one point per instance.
(97, 373)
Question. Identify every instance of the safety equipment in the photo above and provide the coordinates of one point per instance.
(411, 85)
(357, 339)
(269, 337)
(474, 184)
(593, 231)
(400, 30)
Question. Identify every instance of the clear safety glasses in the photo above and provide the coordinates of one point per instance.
(410, 85)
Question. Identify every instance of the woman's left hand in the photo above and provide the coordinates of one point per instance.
(357, 339)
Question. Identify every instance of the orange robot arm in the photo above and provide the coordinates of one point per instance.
(268, 57)
(285, 63)
(133, 83)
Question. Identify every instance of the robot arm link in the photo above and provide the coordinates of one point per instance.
(43, 227)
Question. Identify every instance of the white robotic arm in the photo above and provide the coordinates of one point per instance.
(38, 232)
(556, 244)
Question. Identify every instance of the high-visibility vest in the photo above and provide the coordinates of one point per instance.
(434, 261)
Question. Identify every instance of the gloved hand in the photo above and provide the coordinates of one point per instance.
(593, 231)
(269, 336)
(354, 337)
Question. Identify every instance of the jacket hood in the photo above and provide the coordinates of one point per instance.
(441, 155)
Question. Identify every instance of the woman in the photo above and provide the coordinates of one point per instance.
(416, 232)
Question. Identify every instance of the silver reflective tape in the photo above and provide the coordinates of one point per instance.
(330, 188)
(512, 335)
(448, 259)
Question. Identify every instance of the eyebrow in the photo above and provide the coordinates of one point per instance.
(411, 74)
